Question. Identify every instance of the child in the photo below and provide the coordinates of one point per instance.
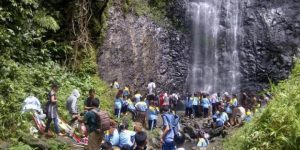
(126, 135)
(179, 141)
(188, 106)
(118, 105)
(202, 142)
(131, 108)
(140, 140)
(152, 116)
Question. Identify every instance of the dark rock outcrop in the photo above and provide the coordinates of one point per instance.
(270, 39)
(137, 49)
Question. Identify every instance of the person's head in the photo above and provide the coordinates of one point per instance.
(180, 139)
(164, 109)
(54, 87)
(106, 146)
(204, 95)
(126, 147)
(150, 97)
(92, 93)
(234, 96)
(123, 126)
(140, 139)
(119, 94)
(95, 103)
(76, 93)
(219, 94)
(151, 80)
(137, 127)
(195, 94)
(116, 80)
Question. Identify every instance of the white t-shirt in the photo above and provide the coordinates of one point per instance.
(151, 86)
(242, 112)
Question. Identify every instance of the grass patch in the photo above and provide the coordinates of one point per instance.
(278, 126)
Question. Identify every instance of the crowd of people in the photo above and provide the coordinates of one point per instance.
(224, 110)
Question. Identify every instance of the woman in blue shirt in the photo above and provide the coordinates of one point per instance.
(195, 105)
(205, 104)
(118, 105)
(152, 116)
(126, 137)
(188, 106)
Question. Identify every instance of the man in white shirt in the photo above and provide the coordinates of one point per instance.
(151, 87)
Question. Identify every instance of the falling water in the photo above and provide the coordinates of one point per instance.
(215, 40)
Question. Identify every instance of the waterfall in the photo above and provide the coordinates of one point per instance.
(215, 64)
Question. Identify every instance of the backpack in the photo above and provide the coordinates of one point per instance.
(174, 125)
(103, 119)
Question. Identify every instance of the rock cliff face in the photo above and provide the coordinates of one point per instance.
(270, 39)
(137, 49)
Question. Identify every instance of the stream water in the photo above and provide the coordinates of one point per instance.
(215, 65)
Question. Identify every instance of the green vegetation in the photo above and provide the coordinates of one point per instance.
(155, 9)
(278, 126)
(38, 46)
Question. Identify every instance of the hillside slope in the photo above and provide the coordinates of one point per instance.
(278, 126)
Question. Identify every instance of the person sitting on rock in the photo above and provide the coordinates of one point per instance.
(126, 137)
(202, 141)
(248, 116)
(140, 141)
(113, 135)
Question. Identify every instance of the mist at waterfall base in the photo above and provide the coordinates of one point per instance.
(215, 60)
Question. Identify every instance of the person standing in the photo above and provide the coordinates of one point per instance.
(205, 104)
(188, 106)
(118, 105)
(51, 108)
(88, 101)
(141, 108)
(151, 87)
(168, 136)
(115, 84)
(152, 116)
(92, 121)
(195, 105)
(72, 105)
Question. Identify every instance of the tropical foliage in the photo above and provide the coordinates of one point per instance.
(278, 126)
(38, 47)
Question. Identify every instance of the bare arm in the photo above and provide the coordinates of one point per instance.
(53, 100)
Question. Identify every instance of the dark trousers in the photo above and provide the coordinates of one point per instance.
(188, 111)
(195, 110)
(118, 112)
(168, 146)
(55, 120)
(152, 124)
(205, 112)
